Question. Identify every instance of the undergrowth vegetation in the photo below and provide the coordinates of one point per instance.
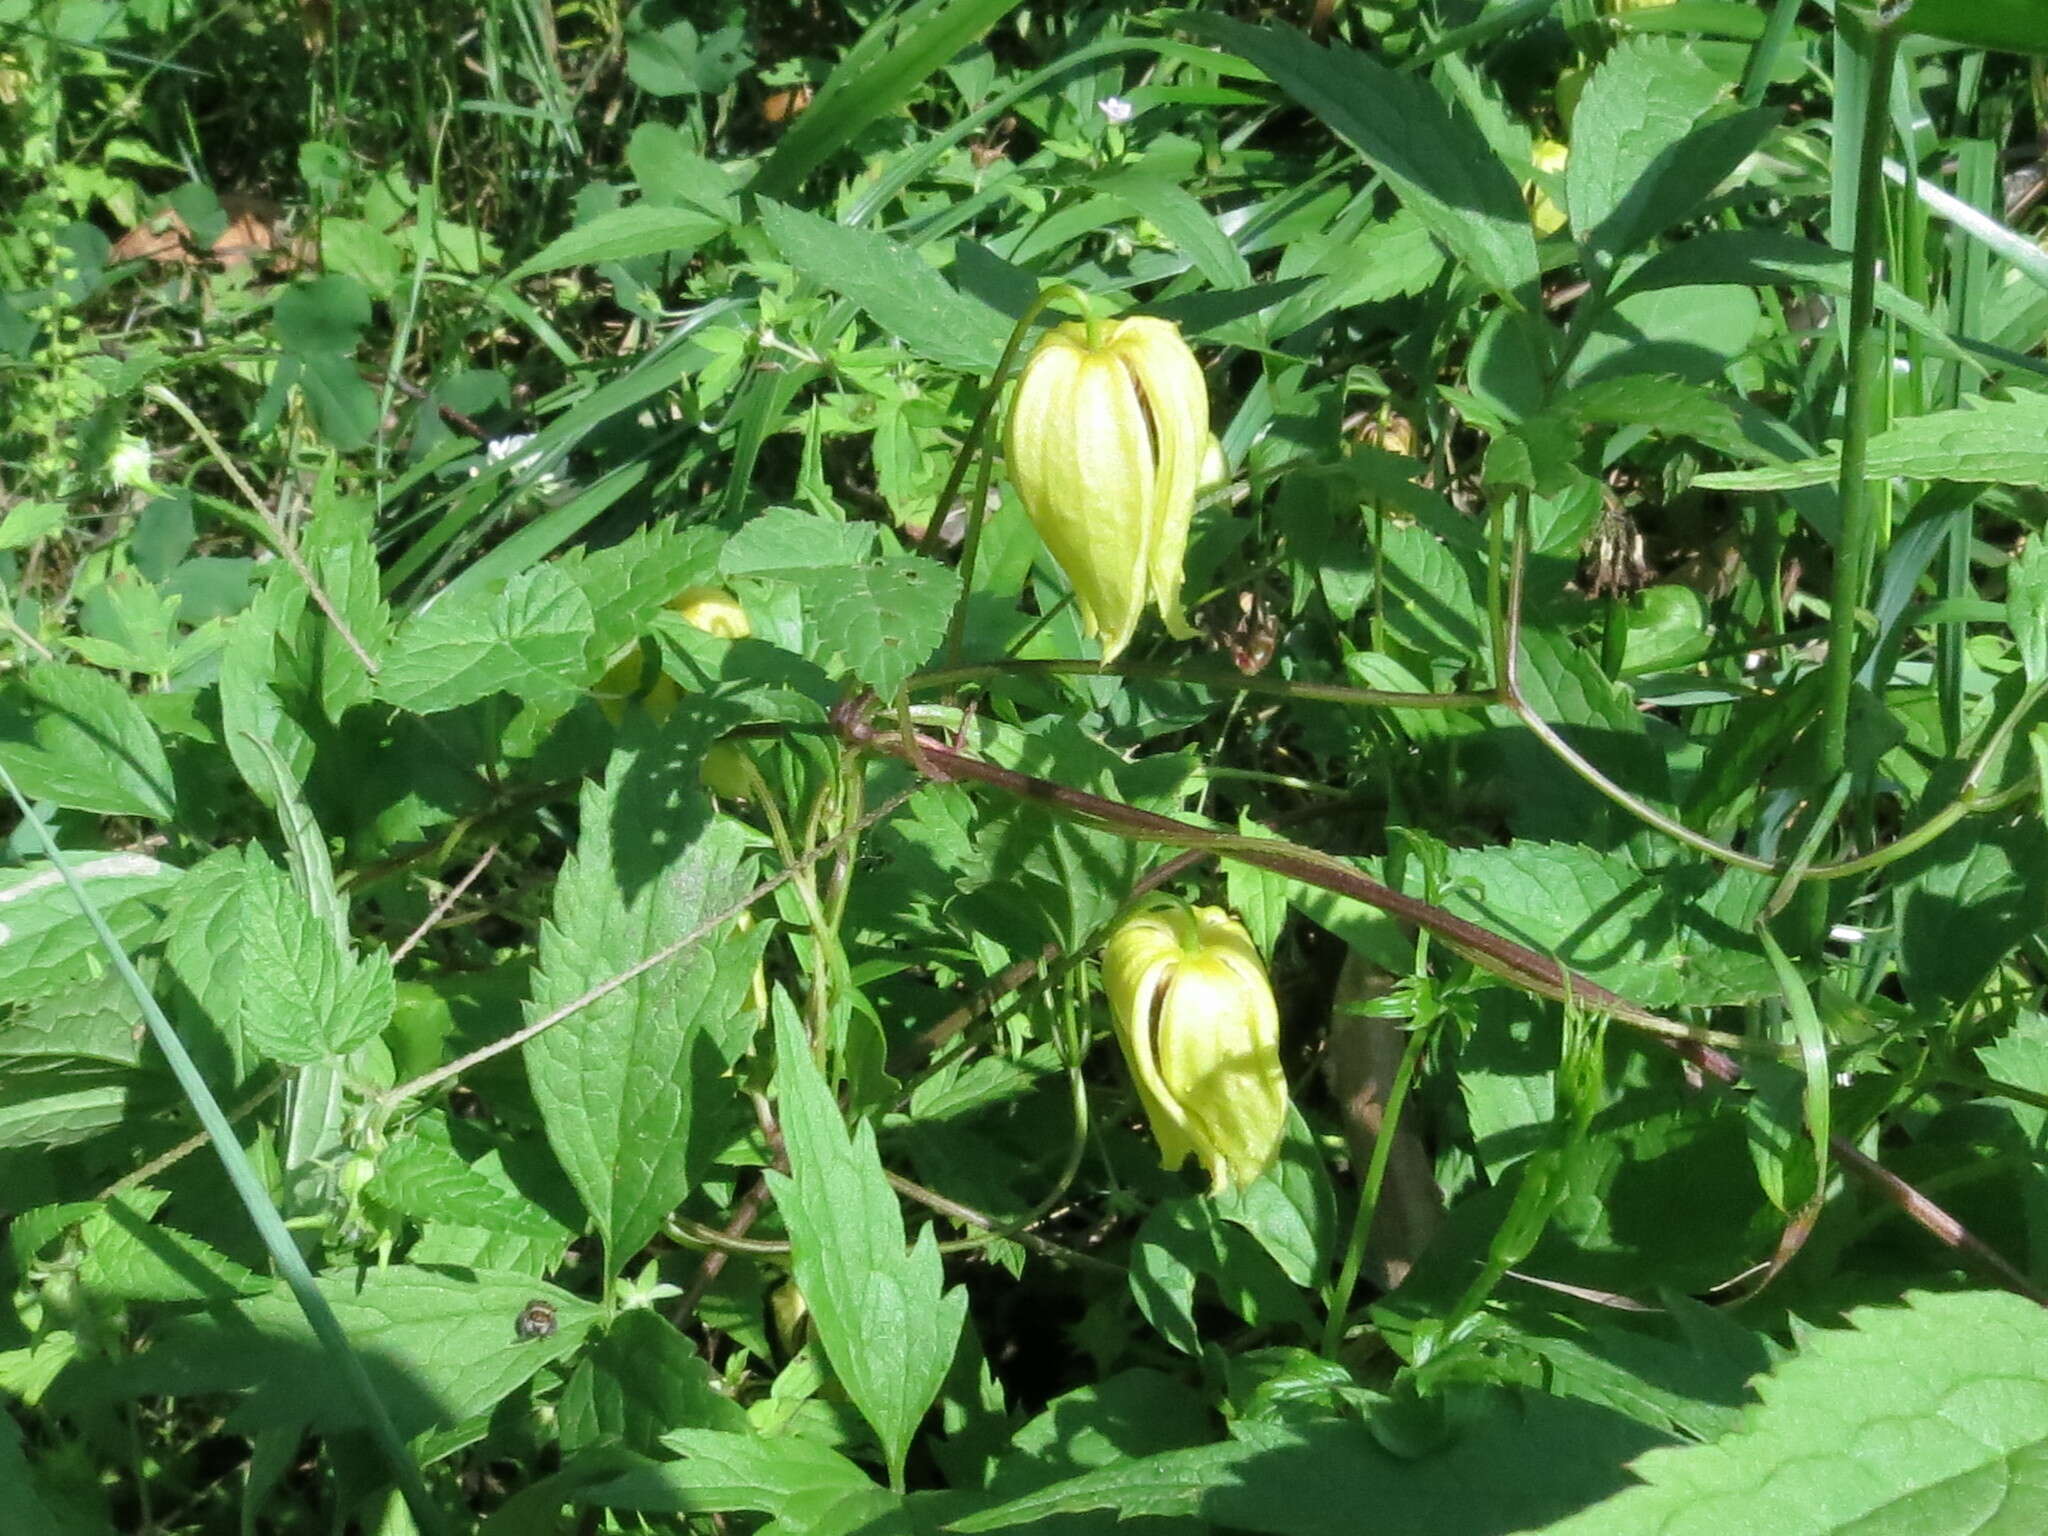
(588, 941)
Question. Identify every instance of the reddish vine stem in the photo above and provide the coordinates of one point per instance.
(1512, 962)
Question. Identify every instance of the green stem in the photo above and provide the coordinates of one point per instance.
(1369, 1193)
(1867, 357)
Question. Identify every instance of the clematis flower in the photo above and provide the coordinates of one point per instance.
(718, 613)
(1105, 444)
(1195, 1016)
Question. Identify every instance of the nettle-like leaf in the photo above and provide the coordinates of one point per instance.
(887, 1325)
(267, 971)
(897, 288)
(627, 1084)
(871, 611)
(528, 637)
(1930, 1418)
(1520, 1458)
(440, 1347)
(77, 737)
(1435, 157)
(1646, 148)
(47, 943)
(1996, 442)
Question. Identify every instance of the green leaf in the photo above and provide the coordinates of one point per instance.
(641, 1380)
(1433, 154)
(304, 998)
(19, 1494)
(885, 1322)
(1765, 258)
(1996, 442)
(1972, 896)
(722, 1471)
(2026, 606)
(895, 287)
(873, 79)
(440, 1347)
(1658, 937)
(1646, 149)
(783, 539)
(1931, 1418)
(1521, 1459)
(128, 1257)
(78, 738)
(45, 941)
(528, 637)
(343, 404)
(625, 1083)
(322, 317)
(882, 617)
(645, 229)
(425, 1178)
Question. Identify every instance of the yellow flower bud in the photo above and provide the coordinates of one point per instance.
(712, 609)
(1195, 1016)
(1105, 442)
(1549, 157)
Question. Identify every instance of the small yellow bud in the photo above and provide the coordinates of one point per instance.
(713, 610)
(1549, 157)
(1195, 1016)
(1105, 446)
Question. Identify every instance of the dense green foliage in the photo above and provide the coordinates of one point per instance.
(561, 818)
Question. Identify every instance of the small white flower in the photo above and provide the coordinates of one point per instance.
(1116, 109)
(512, 447)
(128, 464)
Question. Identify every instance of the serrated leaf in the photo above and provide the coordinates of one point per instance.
(338, 546)
(78, 738)
(627, 582)
(1436, 158)
(440, 1347)
(303, 997)
(2026, 606)
(424, 1177)
(528, 637)
(130, 1257)
(1993, 442)
(1524, 1459)
(722, 1471)
(1644, 152)
(645, 229)
(1931, 1418)
(895, 287)
(1658, 937)
(885, 1321)
(625, 1084)
(1974, 895)
(882, 617)
(46, 943)
(641, 1380)
(783, 539)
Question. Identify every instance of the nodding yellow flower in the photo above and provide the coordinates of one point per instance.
(1105, 446)
(1195, 1016)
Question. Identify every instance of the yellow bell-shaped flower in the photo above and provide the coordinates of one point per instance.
(1195, 1016)
(718, 613)
(1105, 444)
